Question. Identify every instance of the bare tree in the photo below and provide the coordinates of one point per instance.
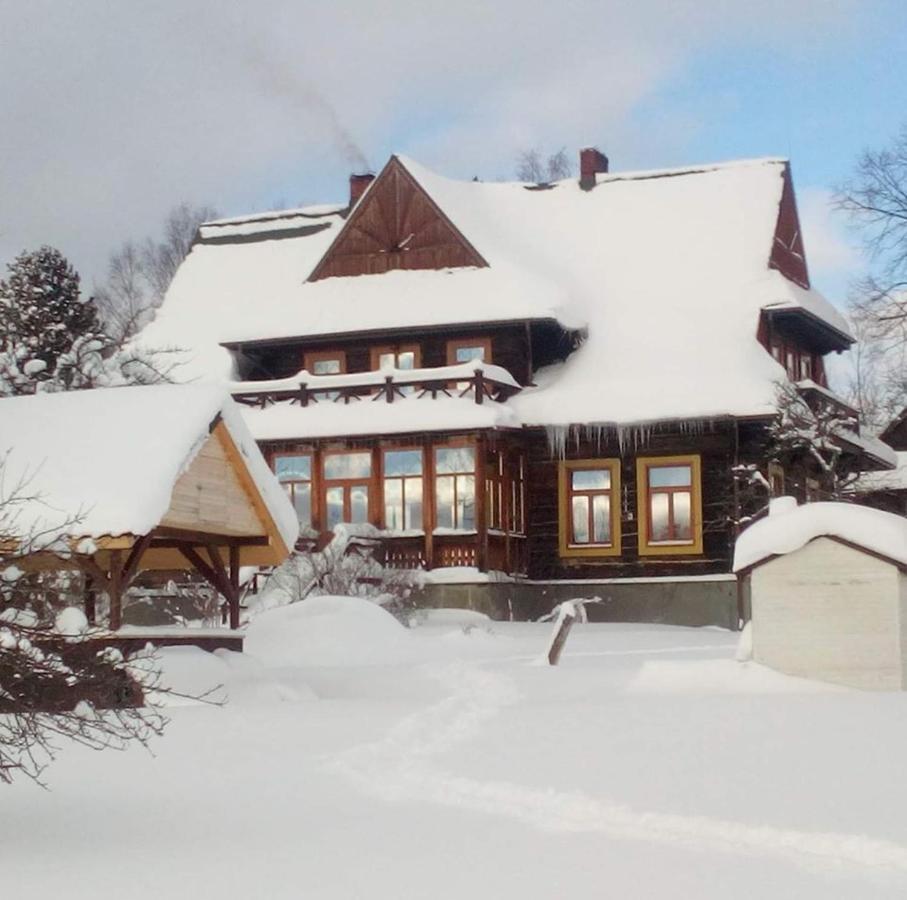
(162, 258)
(533, 166)
(876, 200)
(138, 275)
(54, 683)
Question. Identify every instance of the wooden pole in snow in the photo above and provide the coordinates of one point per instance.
(566, 616)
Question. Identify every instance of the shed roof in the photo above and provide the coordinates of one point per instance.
(110, 457)
(880, 533)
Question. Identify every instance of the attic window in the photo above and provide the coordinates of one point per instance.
(469, 349)
(326, 362)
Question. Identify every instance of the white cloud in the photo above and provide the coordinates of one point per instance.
(112, 112)
(832, 250)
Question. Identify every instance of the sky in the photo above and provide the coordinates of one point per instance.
(114, 112)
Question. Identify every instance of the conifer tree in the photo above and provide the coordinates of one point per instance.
(42, 313)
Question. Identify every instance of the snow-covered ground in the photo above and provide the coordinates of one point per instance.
(358, 759)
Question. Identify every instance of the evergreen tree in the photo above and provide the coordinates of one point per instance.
(42, 316)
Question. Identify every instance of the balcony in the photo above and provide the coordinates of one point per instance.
(481, 381)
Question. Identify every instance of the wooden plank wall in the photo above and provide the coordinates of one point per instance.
(509, 348)
(718, 448)
(209, 497)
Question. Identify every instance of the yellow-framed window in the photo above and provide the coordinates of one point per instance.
(589, 507)
(669, 496)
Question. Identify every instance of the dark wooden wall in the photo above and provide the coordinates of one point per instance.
(720, 447)
(396, 226)
(788, 255)
(509, 348)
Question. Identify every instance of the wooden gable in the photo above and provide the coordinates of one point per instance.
(396, 225)
(788, 255)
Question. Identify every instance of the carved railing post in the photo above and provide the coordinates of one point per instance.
(303, 394)
(479, 386)
(389, 388)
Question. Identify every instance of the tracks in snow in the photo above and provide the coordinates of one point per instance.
(400, 767)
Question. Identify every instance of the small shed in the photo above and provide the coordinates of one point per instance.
(120, 480)
(828, 591)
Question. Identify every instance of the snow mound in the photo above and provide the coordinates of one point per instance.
(786, 530)
(716, 676)
(451, 618)
(328, 631)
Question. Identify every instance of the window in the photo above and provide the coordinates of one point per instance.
(399, 356)
(670, 505)
(806, 366)
(776, 479)
(517, 522)
(589, 507)
(455, 488)
(346, 487)
(494, 490)
(294, 472)
(326, 362)
(461, 351)
(403, 490)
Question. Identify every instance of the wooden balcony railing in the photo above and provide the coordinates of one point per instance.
(479, 380)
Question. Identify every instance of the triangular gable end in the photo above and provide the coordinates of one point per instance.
(788, 255)
(396, 225)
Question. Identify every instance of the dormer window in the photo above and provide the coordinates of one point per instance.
(326, 362)
(396, 356)
(468, 349)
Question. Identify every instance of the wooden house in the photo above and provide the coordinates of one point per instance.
(120, 481)
(548, 383)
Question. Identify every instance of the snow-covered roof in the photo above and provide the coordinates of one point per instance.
(112, 456)
(668, 272)
(786, 529)
(891, 480)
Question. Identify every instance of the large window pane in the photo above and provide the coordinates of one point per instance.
(581, 520)
(406, 360)
(413, 503)
(444, 498)
(358, 504)
(302, 501)
(466, 502)
(682, 521)
(326, 367)
(402, 462)
(334, 502)
(601, 518)
(670, 476)
(393, 504)
(339, 466)
(293, 468)
(591, 479)
(467, 354)
(659, 524)
(455, 459)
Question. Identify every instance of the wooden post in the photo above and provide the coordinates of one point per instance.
(428, 503)
(115, 591)
(479, 386)
(389, 388)
(90, 600)
(481, 506)
(234, 584)
(566, 616)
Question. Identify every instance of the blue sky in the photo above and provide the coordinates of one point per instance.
(244, 105)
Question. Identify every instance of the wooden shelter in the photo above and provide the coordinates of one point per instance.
(148, 478)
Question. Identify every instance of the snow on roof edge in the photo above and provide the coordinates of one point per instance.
(783, 532)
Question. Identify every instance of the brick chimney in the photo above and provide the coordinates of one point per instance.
(358, 184)
(592, 162)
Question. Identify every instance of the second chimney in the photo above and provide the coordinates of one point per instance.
(358, 184)
(592, 162)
